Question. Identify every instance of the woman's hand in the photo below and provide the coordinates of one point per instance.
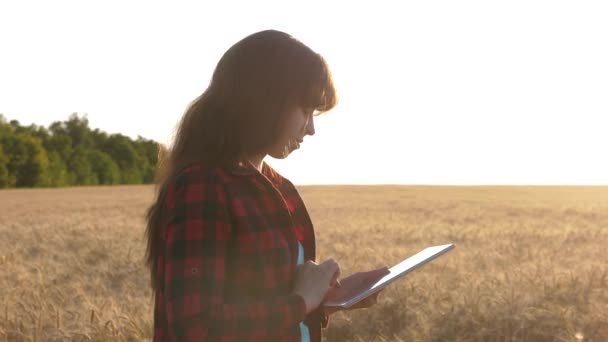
(313, 281)
(356, 283)
(367, 302)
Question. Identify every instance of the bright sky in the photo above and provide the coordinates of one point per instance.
(431, 92)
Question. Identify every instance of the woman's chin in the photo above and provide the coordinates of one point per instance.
(282, 154)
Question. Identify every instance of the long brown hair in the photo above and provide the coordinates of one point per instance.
(240, 113)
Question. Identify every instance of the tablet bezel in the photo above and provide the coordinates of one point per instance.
(398, 271)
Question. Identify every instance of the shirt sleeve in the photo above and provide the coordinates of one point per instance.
(197, 230)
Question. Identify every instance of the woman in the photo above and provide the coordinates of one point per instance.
(231, 247)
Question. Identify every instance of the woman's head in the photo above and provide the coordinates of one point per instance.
(261, 100)
(256, 84)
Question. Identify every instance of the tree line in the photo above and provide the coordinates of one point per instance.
(69, 153)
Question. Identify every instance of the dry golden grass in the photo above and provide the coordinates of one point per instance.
(530, 262)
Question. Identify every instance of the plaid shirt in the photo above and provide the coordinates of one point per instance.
(227, 264)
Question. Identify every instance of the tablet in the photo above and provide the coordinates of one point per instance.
(396, 272)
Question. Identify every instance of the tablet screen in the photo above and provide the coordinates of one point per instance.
(396, 272)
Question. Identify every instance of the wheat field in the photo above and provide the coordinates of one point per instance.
(530, 263)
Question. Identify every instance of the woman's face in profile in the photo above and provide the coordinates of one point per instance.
(298, 123)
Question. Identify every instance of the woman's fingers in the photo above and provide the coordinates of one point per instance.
(367, 302)
(333, 269)
(335, 281)
(313, 281)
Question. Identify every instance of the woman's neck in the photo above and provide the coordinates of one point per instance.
(257, 161)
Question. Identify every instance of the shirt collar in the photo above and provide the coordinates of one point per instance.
(242, 169)
(246, 168)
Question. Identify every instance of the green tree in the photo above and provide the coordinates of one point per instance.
(5, 128)
(78, 130)
(104, 168)
(57, 173)
(61, 143)
(80, 171)
(5, 180)
(148, 150)
(99, 138)
(27, 160)
(70, 153)
(32, 130)
(124, 154)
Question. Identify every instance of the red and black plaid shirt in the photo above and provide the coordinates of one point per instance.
(227, 264)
